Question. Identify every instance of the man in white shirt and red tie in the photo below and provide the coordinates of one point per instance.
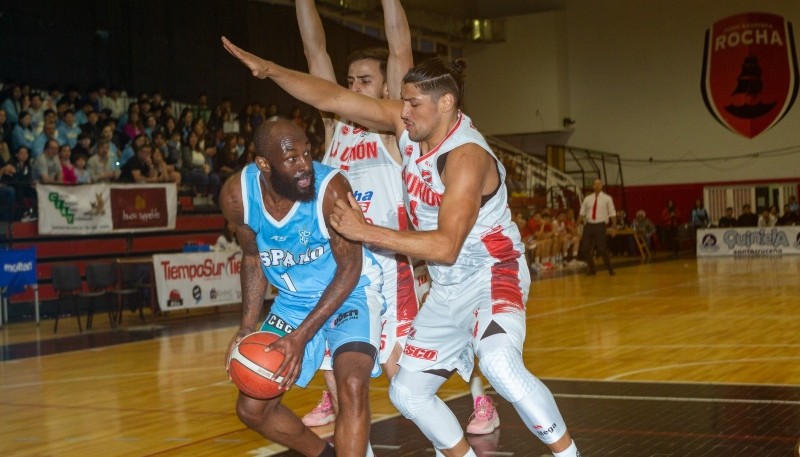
(596, 211)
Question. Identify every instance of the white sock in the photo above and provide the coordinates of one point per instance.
(476, 387)
(571, 451)
(369, 450)
(469, 453)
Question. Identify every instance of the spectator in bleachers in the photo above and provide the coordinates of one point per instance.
(747, 218)
(93, 97)
(199, 128)
(7, 192)
(767, 219)
(216, 121)
(165, 172)
(172, 157)
(166, 113)
(114, 102)
(21, 181)
(52, 97)
(67, 168)
(214, 181)
(123, 119)
(92, 126)
(82, 175)
(201, 109)
(174, 152)
(133, 128)
(194, 163)
(47, 167)
(36, 110)
(70, 129)
(49, 133)
(102, 167)
(156, 102)
(727, 220)
(185, 124)
(23, 134)
(6, 129)
(151, 125)
(110, 134)
(248, 155)
(62, 106)
(227, 160)
(13, 104)
(130, 150)
(140, 168)
(82, 113)
(71, 97)
(788, 217)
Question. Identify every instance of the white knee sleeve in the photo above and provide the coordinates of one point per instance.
(504, 369)
(533, 401)
(414, 395)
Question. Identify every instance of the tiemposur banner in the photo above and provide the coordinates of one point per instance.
(104, 208)
(197, 279)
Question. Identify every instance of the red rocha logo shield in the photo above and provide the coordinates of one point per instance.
(750, 72)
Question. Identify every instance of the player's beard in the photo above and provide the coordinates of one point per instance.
(287, 186)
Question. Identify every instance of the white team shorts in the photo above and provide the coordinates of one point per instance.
(401, 305)
(449, 326)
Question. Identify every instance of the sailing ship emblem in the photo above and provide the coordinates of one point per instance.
(749, 80)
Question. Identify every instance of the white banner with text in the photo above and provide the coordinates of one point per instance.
(748, 241)
(197, 279)
(104, 208)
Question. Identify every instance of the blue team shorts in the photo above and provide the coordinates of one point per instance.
(352, 322)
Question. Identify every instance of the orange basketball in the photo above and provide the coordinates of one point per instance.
(253, 370)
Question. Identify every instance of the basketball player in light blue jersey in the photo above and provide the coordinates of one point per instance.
(280, 205)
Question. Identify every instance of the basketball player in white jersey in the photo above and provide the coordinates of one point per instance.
(374, 166)
(457, 200)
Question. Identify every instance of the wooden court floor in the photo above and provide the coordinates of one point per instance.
(680, 357)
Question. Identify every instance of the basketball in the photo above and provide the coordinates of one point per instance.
(253, 370)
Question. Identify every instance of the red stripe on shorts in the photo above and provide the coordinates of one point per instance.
(506, 292)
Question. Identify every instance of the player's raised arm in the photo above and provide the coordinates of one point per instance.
(314, 44)
(398, 36)
(324, 95)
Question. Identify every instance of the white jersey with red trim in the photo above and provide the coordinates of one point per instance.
(372, 172)
(494, 238)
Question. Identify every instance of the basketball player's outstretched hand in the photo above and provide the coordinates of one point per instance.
(348, 219)
(241, 333)
(292, 348)
(257, 65)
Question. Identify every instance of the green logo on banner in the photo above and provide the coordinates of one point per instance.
(61, 206)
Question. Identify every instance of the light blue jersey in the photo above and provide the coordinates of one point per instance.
(295, 252)
(296, 258)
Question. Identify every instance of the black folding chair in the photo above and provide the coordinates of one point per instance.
(101, 279)
(128, 287)
(67, 282)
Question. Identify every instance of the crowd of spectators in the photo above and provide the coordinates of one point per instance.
(104, 135)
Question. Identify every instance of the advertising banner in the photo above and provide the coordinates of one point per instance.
(748, 241)
(197, 279)
(104, 208)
